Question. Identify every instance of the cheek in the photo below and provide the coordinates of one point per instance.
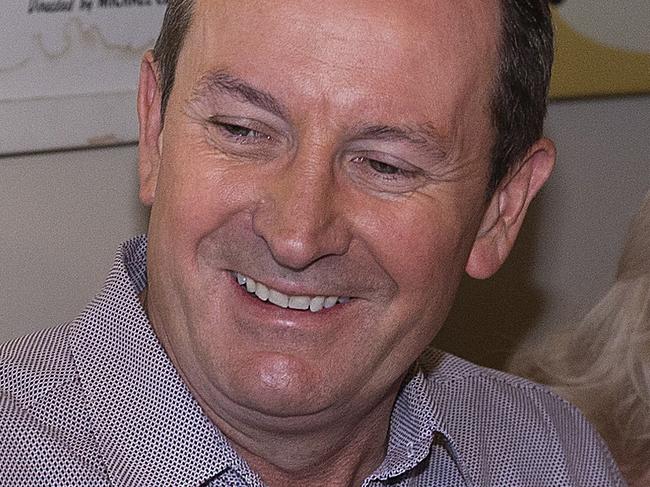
(421, 245)
(197, 194)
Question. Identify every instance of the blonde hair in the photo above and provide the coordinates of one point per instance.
(602, 365)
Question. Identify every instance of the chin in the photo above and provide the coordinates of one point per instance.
(279, 385)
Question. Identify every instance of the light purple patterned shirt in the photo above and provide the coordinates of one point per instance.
(97, 402)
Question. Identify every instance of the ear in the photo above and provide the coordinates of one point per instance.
(507, 208)
(150, 132)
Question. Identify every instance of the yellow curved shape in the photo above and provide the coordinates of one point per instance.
(583, 67)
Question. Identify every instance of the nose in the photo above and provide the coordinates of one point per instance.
(301, 216)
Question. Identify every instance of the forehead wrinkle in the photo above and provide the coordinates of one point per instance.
(217, 82)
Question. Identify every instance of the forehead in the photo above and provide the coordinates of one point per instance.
(429, 52)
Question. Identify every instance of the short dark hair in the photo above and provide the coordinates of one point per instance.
(176, 23)
(520, 87)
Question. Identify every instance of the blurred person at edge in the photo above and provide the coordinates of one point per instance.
(602, 364)
(320, 175)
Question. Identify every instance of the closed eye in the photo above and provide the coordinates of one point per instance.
(239, 133)
(242, 132)
(384, 169)
(385, 173)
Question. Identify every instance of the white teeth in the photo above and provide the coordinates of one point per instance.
(316, 304)
(313, 304)
(299, 302)
(261, 291)
(250, 285)
(278, 298)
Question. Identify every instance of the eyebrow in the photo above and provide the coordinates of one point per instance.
(222, 82)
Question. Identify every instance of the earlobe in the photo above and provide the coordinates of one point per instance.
(507, 208)
(150, 128)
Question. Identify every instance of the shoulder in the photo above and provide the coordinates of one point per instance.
(498, 398)
(34, 365)
(503, 424)
(46, 434)
(449, 372)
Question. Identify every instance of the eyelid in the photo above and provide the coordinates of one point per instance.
(406, 179)
(247, 123)
(389, 160)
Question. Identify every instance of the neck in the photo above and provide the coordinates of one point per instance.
(336, 457)
(335, 450)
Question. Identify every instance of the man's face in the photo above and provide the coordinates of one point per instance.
(333, 149)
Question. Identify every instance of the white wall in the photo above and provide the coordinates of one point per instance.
(63, 214)
(602, 176)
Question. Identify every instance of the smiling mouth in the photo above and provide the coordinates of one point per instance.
(273, 296)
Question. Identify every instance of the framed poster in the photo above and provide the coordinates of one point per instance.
(602, 48)
(69, 71)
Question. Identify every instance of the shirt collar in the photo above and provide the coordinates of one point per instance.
(417, 426)
(148, 426)
(413, 424)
